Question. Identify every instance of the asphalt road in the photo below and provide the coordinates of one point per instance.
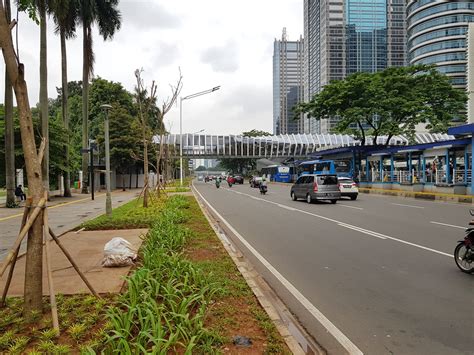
(380, 269)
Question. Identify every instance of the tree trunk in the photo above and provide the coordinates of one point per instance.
(85, 108)
(9, 131)
(33, 273)
(43, 95)
(145, 170)
(362, 142)
(65, 111)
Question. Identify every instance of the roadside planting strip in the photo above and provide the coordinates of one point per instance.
(346, 225)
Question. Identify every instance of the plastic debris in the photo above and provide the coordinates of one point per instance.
(118, 252)
(242, 341)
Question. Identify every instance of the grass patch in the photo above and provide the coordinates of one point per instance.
(178, 189)
(177, 183)
(128, 216)
(82, 321)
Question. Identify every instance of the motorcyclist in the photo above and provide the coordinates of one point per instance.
(218, 181)
(263, 184)
(230, 180)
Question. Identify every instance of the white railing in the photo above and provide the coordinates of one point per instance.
(441, 177)
(376, 176)
(462, 176)
(404, 177)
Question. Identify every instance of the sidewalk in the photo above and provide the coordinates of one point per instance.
(87, 250)
(65, 213)
(437, 196)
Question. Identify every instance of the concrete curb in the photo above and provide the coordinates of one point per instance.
(273, 306)
(419, 195)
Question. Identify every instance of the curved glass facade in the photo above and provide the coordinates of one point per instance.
(437, 35)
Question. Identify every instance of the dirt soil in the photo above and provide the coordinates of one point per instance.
(87, 249)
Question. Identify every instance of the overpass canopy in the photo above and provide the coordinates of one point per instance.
(286, 145)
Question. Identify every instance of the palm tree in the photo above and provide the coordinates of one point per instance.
(65, 15)
(9, 136)
(106, 15)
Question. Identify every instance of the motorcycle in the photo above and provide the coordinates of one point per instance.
(263, 189)
(464, 251)
(229, 183)
(218, 183)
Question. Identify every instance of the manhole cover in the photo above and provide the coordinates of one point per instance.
(83, 215)
(120, 201)
(60, 226)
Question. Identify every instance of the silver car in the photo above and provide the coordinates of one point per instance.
(316, 187)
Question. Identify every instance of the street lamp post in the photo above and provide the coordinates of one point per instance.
(108, 197)
(181, 99)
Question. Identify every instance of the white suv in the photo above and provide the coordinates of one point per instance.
(348, 187)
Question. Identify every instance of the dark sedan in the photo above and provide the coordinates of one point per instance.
(239, 179)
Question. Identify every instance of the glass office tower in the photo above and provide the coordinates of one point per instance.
(288, 84)
(437, 32)
(348, 36)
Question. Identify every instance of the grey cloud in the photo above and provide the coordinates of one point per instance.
(222, 58)
(164, 54)
(148, 15)
(251, 99)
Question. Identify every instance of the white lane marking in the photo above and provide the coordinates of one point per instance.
(316, 313)
(365, 231)
(339, 222)
(286, 207)
(448, 225)
(356, 208)
(400, 204)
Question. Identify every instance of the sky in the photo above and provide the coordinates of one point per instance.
(212, 42)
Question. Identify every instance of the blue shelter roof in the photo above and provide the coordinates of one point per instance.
(467, 129)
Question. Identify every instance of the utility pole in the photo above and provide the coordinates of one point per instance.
(108, 197)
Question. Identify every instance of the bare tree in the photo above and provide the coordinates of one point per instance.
(145, 101)
(16, 73)
(161, 131)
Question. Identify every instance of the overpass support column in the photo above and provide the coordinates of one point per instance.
(448, 171)
(409, 167)
(466, 165)
(423, 167)
(367, 168)
(472, 165)
(381, 169)
(392, 167)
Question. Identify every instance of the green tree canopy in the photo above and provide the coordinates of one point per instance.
(391, 102)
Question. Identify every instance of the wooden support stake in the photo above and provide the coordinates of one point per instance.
(22, 234)
(73, 263)
(52, 296)
(12, 267)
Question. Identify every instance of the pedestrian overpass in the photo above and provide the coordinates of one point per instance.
(279, 146)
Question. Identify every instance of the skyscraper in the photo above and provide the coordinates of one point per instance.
(343, 37)
(288, 84)
(437, 33)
